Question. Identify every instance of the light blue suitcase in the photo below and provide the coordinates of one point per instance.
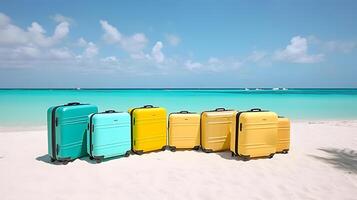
(66, 128)
(109, 135)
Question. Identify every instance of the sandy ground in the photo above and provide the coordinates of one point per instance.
(322, 164)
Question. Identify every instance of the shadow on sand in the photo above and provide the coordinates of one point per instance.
(343, 159)
(227, 155)
(88, 160)
(46, 159)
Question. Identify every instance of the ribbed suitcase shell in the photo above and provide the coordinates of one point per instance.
(216, 128)
(148, 129)
(283, 145)
(67, 126)
(184, 130)
(108, 135)
(257, 134)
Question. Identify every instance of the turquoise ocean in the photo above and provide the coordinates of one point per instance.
(27, 107)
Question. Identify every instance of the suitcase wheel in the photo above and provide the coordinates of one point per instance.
(245, 158)
(233, 154)
(163, 148)
(53, 160)
(196, 148)
(173, 149)
(271, 156)
(91, 158)
(285, 151)
(127, 154)
(207, 150)
(141, 152)
(98, 160)
(65, 162)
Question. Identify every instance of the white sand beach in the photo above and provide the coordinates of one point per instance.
(322, 164)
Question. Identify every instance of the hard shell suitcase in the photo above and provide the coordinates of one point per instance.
(184, 130)
(108, 135)
(255, 135)
(283, 145)
(148, 129)
(216, 128)
(66, 125)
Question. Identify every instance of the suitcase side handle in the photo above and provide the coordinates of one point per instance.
(73, 104)
(220, 109)
(148, 106)
(255, 110)
(110, 111)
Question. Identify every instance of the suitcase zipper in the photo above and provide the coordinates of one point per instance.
(237, 132)
(53, 132)
(91, 130)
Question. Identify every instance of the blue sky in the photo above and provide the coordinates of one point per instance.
(209, 43)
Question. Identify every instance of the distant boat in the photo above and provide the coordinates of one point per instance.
(285, 89)
(78, 88)
(276, 88)
(258, 89)
(246, 89)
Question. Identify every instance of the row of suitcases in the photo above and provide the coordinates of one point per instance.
(76, 130)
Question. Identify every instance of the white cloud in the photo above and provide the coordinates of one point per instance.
(111, 35)
(60, 18)
(13, 35)
(82, 42)
(91, 50)
(133, 44)
(339, 46)
(213, 60)
(192, 65)
(157, 53)
(61, 31)
(110, 59)
(297, 52)
(28, 47)
(256, 56)
(4, 20)
(26, 52)
(62, 53)
(333, 45)
(173, 40)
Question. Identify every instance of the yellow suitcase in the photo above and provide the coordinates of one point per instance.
(283, 145)
(184, 130)
(255, 134)
(216, 128)
(148, 129)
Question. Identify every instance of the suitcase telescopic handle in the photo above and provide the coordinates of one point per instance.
(148, 106)
(109, 111)
(256, 110)
(220, 109)
(73, 104)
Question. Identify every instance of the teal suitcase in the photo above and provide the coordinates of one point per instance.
(66, 128)
(108, 135)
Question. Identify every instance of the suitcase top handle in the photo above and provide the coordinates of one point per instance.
(148, 106)
(184, 112)
(220, 109)
(255, 110)
(73, 104)
(110, 111)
